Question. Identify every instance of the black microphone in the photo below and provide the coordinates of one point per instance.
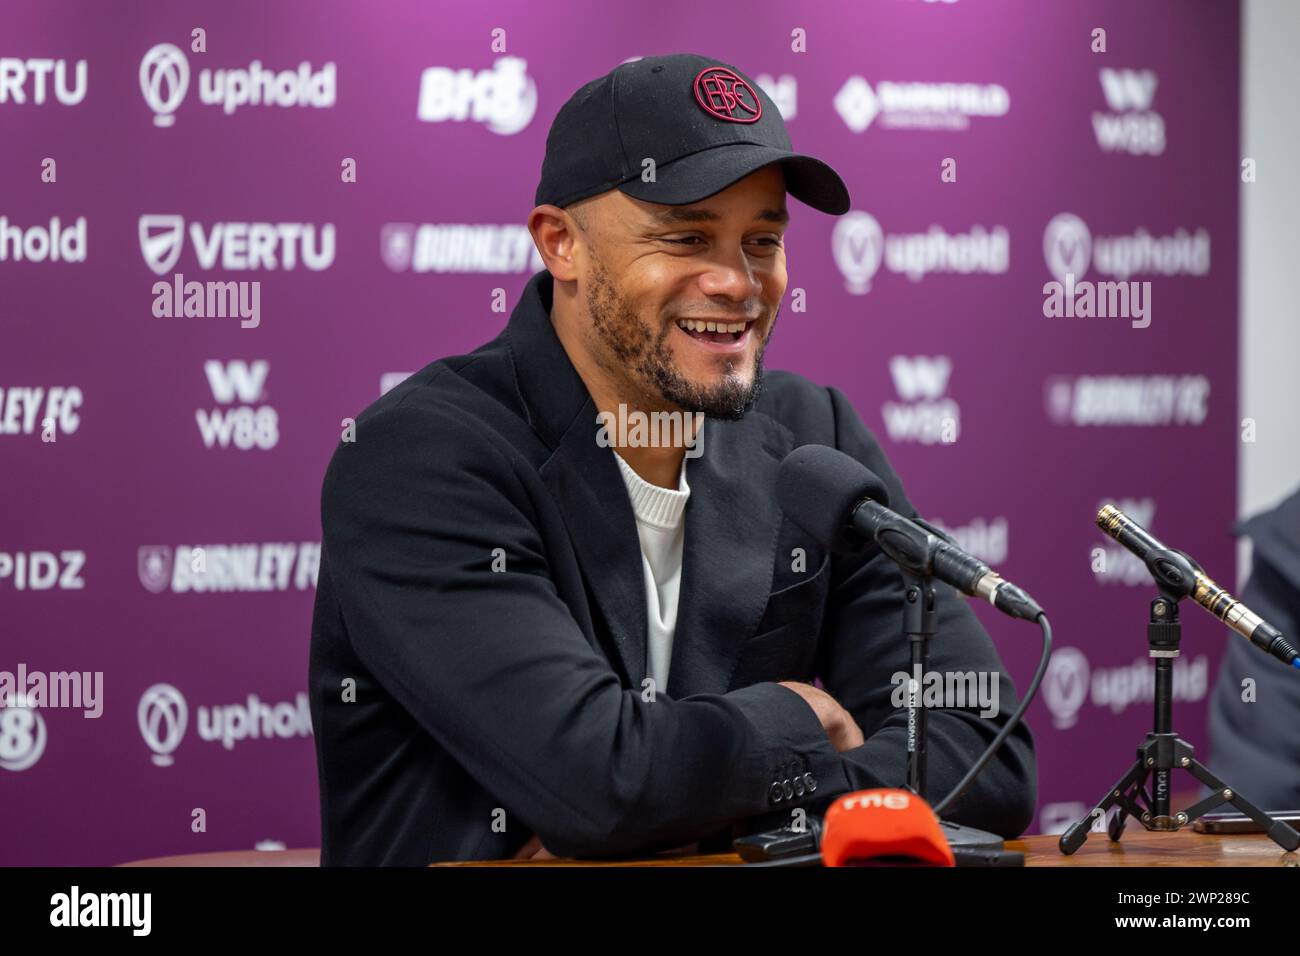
(1165, 567)
(844, 506)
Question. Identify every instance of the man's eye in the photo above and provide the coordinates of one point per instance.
(687, 240)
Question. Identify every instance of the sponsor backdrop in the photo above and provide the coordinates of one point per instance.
(224, 230)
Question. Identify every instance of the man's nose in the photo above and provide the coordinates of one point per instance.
(731, 275)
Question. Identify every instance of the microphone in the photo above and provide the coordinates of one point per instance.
(882, 827)
(843, 505)
(1165, 566)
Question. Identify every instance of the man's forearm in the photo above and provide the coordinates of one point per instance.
(778, 730)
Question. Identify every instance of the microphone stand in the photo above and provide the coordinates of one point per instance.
(1163, 750)
(920, 619)
(971, 847)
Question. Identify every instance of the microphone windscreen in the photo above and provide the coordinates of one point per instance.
(884, 826)
(818, 486)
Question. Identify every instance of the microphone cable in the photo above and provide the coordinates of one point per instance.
(1011, 724)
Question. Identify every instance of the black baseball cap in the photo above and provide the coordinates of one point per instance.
(704, 123)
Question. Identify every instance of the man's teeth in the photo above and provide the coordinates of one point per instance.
(694, 325)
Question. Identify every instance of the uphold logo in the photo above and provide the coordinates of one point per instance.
(858, 244)
(1067, 246)
(164, 78)
(162, 716)
(860, 247)
(1066, 686)
(1070, 248)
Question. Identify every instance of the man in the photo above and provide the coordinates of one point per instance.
(1252, 743)
(538, 632)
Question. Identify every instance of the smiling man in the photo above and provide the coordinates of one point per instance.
(538, 635)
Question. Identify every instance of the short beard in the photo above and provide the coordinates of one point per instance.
(628, 346)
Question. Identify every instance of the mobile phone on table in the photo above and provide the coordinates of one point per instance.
(1240, 823)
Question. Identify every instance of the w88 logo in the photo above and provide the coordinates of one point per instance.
(22, 736)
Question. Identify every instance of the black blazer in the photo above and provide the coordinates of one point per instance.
(459, 709)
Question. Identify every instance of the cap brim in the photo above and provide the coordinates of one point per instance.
(700, 175)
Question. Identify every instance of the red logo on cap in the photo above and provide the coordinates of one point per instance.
(721, 92)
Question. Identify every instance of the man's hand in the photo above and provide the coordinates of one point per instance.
(838, 723)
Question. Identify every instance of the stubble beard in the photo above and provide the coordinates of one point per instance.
(641, 359)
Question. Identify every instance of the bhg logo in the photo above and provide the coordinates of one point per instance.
(164, 78)
(162, 716)
(503, 98)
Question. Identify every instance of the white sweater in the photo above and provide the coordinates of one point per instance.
(661, 526)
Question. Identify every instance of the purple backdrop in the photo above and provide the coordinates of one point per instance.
(925, 305)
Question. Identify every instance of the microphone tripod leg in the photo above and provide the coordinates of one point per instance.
(1279, 831)
(1076, 835)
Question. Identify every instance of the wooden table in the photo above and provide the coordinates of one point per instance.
(1137, 848)
(1140, 848)
(1143, 848)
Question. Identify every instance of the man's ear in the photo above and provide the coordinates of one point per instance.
(555, 235)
